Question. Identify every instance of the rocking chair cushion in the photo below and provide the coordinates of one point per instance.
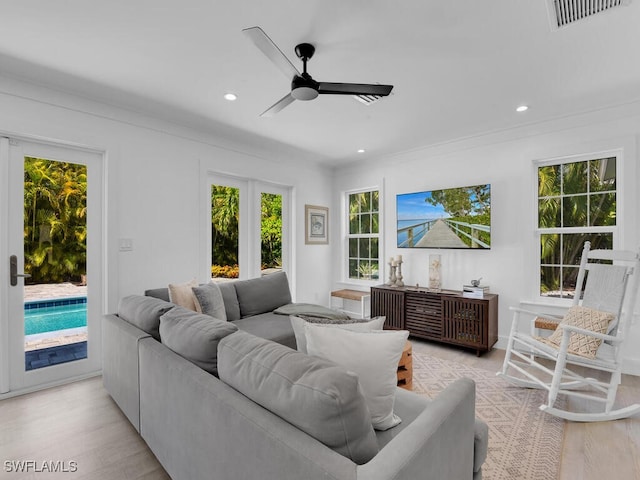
(588, 319)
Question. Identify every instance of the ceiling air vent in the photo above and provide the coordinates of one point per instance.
(566, 12)
(367, 99)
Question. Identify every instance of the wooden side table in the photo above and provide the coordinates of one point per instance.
(405, 368)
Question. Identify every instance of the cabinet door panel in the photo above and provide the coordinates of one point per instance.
(465, 321)
(423, 315)
(390, 304)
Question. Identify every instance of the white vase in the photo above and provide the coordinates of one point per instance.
(435, 280)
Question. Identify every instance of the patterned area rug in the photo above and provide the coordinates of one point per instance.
(524, 443)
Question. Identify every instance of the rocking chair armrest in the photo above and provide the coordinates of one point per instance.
(536, 314)
(601, 336)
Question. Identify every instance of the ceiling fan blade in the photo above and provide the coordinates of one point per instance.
(328, 88)
(279, 105)
(271, 51)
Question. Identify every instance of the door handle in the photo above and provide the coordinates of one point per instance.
(13, 271)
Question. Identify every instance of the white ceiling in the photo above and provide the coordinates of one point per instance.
(459, 68)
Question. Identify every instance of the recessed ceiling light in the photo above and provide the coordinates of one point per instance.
(361, 150)
(522, 108)
(230, 96)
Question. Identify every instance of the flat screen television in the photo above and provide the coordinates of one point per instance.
(449, 218)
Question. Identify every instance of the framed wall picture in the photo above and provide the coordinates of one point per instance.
(316, 221)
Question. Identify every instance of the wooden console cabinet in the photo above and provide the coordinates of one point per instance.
(444, 316)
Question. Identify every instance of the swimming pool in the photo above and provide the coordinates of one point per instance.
(51, 315)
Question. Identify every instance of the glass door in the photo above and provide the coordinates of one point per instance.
(53, 220)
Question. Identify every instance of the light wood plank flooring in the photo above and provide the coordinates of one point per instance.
(79, 422)
(591, 451)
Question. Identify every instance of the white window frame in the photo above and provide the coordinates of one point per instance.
(615, 230)
(347, 236)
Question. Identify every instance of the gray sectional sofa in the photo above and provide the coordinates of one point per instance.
(200, 427)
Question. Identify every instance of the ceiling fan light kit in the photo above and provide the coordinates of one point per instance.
(303, 86)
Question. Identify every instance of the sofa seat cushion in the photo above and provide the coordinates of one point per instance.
(315, 395)
(480, 444)
(270, 326)
(194, 336)
(408, 405)
(263, 294)
(144, 312)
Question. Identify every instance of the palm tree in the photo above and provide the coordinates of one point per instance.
(55, 229)
(225, 221)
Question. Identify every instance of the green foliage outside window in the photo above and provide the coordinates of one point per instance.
(363, 235)
(55, 221)
(225, 228)
(271, 230)
(574, 201)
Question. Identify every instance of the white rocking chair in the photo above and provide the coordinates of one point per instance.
(610, 287)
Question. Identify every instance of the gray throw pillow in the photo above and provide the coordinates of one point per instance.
(208, 300)
(353, 324)
(263, 294)
(144, 312)
(313, 394)
(194, 336)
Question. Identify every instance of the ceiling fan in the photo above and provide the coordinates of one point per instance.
(303, 87)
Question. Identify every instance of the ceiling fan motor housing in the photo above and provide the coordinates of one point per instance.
(304, 87)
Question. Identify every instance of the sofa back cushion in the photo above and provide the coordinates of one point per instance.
(144, 312)
(263, 294)
(161, 293)
(313, 394)
(194, 336)
(231, 305)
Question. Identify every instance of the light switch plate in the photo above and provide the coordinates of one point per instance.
(125, 244)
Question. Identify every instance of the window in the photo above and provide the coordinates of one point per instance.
(248, 227)
(576, 203)
(363, 234)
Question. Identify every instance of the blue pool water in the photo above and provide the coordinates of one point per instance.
(51, 315)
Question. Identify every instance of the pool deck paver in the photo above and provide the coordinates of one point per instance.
(54, 290)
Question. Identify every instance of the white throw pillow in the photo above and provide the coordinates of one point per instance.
(362, 326)
(373, 356)
(181, 294)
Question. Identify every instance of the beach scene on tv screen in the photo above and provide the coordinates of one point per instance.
(449, 218)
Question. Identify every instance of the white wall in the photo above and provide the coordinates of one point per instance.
(153, 186)
(505, 160)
